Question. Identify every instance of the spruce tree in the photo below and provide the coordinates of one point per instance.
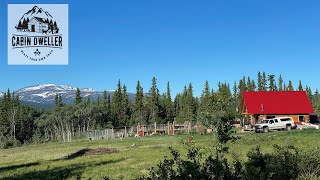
(117, 105)
(182, 114)
(138, 106)
(168, 106)
(205, 99)
(253, 85)
(58, 101)
(154, 102)
(290, 86)
(106, 110)
(285, 88)
(309, 93)
(264, 81)
(176, 105)
(250, 88)
(300, 87)
(271, 80)
(206, 106)
(109, 112)
(105, 96)
(235, 96)
(126, 108)
(242, 85)
(78, 98)
(191, 104)
(260, 82)
(280, 83)
(316, 102)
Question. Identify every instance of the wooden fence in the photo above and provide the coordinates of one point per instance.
(144, 130)
(107, 134)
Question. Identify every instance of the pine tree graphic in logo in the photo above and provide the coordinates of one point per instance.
(37, 35)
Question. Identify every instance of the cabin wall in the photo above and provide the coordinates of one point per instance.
(294, 117)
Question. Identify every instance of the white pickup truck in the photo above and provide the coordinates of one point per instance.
(280, 123)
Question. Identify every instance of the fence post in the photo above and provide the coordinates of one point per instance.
(68, 136)
(143, 130)
(107, 130)
(155, 128)
(168, 128)
(112, 135)
(138, 129)
(173, 124)
(125, 131)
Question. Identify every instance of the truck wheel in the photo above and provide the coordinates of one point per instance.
(265, 130)
(288, 127)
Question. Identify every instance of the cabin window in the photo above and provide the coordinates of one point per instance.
(301, 118)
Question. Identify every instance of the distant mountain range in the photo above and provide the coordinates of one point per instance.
(44, 95)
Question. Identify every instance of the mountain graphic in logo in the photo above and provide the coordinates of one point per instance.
(38, 21)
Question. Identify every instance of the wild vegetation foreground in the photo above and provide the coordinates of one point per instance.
(134, 156)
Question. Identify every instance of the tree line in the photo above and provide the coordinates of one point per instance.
(21, 124)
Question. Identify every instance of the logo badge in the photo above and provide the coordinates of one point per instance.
(38, 34)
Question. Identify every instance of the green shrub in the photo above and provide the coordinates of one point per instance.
(7, 142)
(283, 163)
(191, 168)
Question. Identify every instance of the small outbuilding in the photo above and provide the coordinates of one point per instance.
(270, 104)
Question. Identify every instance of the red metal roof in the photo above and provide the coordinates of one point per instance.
(277, 102)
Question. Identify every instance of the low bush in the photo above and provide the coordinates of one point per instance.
(283, 163)
(7, 142)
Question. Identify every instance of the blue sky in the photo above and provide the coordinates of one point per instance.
(180, 41)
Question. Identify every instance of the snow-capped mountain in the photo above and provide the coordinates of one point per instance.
(1, 94)
(36, 12)
(45, 94)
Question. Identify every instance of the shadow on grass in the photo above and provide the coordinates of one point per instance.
(60, 172)
(15, 167)
(79, 153)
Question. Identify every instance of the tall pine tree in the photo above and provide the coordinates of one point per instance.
(168, 105)
(290, 86)
(272, 85)
(300, 87)
(78, 98)
(117, 105)
(138, 106)
(154, 102)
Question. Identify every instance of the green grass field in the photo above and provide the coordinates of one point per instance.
(42, 161)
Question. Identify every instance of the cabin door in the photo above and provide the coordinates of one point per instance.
(33, 28)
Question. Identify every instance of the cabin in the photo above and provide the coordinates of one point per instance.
(38, 25)
(270, 104)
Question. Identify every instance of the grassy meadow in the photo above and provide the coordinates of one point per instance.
(44, 161)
